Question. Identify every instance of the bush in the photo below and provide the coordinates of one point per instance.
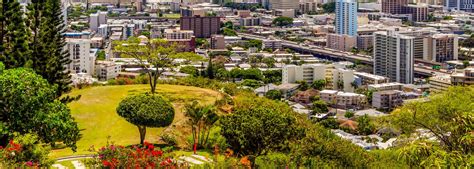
(349, 114)
(169, 138)
(273, 160)
(215, 138)
(25, 152)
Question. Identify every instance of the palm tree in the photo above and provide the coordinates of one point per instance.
(201, 119)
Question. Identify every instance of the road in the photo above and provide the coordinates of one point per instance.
(421, 70)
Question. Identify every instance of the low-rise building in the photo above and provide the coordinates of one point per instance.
(217, 42)
(341, 42)
(342, 99)
(369, 79)
(106, 70)
(386, 86)
(463, 77)
(272, 44)
(387, 99)
(439, 83)
(250, 21)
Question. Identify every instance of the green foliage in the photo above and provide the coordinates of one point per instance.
(349, 114)
(283, 21)
(101, 55)
(169, 138)
(329, 7)
(446, 112)
(216, 139)
(254, 43)
(270, 62)
(319, 84)
(273, 160)
(329, 123)
(258, 126)
(29, 105)
(272, 76)
(303, 85)
(191, 70)
(201, 119)
(228, 32)
(251, 83)
(24, 152)
(364, 125)
(319, 107)
(14, 49)
(320, 147)
(273, 94)
(228, 25)
(202, 42)
(145, 110)
(448, 17)
(252, 73)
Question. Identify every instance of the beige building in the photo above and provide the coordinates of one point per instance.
(439, 83)
(217, 42)
(369, 79)
(386, 86)
(440, 48)
(388, 99)
(284, 4)
(341, 42)
(463, 77)
(342, 99)
(310, 73)
(106, 70)
(82, 60)
(178, 34)
(343, 78)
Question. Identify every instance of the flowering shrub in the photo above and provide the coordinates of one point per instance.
(23, 152)
(143, 156)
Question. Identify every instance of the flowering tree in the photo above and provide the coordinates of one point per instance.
(143, 156)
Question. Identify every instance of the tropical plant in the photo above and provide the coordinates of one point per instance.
(201, 119)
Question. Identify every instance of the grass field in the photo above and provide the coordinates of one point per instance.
(98, 120)
(173, 15)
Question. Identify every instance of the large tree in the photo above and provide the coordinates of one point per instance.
(28, 103)
(448, 117)
(153, 56)
(146, 110)
(13, 35)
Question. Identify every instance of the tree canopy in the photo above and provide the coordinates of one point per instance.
(29, 105)
(146, 110)
(283, 21)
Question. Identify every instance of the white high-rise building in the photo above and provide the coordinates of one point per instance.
(82, 61)
(394, 56)
(96, 19)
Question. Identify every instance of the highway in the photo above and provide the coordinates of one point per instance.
(318, 50)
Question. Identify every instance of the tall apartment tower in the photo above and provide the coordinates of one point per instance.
(394, 6)
(393, 56)
(463, 5)
(441, 48)
(203, 27)
(346, 17)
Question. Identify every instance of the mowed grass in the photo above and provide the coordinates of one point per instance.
(172, 15)
(96, 114)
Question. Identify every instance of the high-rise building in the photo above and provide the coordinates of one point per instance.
(419, 42)
(81, 59)
(418, 12)
(203, 27)
(394, 6)
(463, 5)
(284, 4)
(346, 17)
(96, 19)
(393, 56)
(441, 48)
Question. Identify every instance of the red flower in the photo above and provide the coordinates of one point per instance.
(157, 153)
(105, 163)
(151, 147)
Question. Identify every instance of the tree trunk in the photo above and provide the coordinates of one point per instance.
(142, 131)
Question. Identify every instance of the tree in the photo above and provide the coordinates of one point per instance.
(49, 57)
(349, 114)
(101, 55)
(28, 103)
(283, 21)
(251, 83)
(319, 84)
(445, 112)
(14, 36)
(146, 110)
(191, 70)
(153, 57)
(273, 94)
(303, 85)
(229, 25)
(270, 62)
(365, 125)
(201, 119)
(272, 76)
(329, 7)
(319, 107)
(258, 126)
(254, 43)
(202, 42)
(228, 32)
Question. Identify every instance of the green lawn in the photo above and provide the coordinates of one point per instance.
(173, 15)
(98, 120)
